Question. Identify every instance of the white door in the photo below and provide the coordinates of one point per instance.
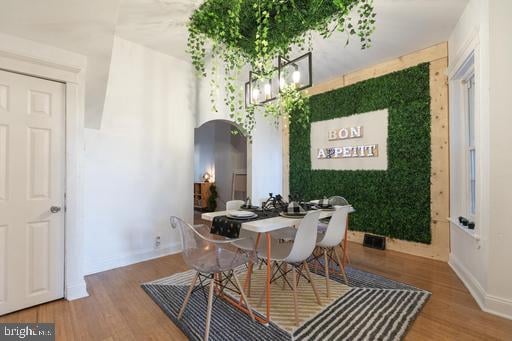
(32, 160)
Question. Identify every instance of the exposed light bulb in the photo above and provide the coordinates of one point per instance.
(268, 90)
(255, 94)
(296, 76)
(282, 83)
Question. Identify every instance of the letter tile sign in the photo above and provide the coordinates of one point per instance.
(355, 142)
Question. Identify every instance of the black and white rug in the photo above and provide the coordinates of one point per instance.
(375, 308)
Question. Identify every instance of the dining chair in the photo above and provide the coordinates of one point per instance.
(327, 242)
(295, 255)
(336, 200)
(233, 205)
(214, 261)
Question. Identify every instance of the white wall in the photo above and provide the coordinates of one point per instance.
(265, 160)
(483, 262)
(500, 250)
(139, 165)
(471, 33)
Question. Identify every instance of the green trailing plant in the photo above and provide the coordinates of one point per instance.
(293, 106)
(394, 202)
(212, 199)
(233, 34)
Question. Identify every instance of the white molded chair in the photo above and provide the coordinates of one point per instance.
(328, 241)
(294, 254)
(234, 205)
(212, 260)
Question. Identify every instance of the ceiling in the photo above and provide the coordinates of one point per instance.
(83, 26)
(403, 26)
(157, 24)
(88, 27)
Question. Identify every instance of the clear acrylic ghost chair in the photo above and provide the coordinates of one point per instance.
(338, 201)
(213, 261)
(294, 254)
(327, 242)
(335, 200)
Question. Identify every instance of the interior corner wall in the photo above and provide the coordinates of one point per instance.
(139, 165)
(499, 294)
(481, 263)
(467, 255)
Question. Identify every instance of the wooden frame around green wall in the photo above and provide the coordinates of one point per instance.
(395, 202)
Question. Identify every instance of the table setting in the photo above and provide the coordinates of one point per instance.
(230, 223)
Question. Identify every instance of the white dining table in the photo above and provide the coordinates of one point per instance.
(265, 226)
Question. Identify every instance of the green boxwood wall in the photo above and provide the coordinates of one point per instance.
(395, 202)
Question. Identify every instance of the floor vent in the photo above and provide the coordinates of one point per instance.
(375, 242)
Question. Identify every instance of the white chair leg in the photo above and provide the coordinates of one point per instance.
(185, 301)
(312, 283)
(209, 311)
(326, 267)
(243, 295)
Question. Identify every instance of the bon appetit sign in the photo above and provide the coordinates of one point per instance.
(355, 142)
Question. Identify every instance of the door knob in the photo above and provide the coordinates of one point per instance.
(55, 209)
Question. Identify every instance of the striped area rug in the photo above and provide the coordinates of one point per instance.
(281, 306)
(374, 308)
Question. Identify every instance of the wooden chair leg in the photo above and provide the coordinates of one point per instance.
(242, 294)
(342, 267)
(294, 287)
(185, 301)
(284, 276)
(312, 283)
(326, 269)
(316, 259)
(249, 278)
(209, 311)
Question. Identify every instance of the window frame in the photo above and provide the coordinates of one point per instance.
(460, 145)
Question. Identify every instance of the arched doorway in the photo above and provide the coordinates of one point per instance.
(223, 156)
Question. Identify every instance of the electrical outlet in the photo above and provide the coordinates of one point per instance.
(157, 242)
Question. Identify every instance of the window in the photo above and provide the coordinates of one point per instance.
(470, 144)
(464, 141)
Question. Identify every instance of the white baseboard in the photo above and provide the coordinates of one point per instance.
(132, 258)
(76, 291)
(491, 304)
(471, 283)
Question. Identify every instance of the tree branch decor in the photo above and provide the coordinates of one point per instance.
(237, 33)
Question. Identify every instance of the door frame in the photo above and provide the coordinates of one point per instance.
(38, 60)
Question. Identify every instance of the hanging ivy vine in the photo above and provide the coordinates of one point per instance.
(233, 34)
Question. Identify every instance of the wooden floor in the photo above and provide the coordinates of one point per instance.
(118, 309)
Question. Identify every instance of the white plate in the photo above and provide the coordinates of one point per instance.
(241, 218)
(241, 214)
(296, 216)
